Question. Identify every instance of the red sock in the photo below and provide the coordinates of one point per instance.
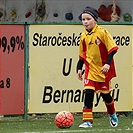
(87, 115)
(110, 107)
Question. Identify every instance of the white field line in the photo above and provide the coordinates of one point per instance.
(75, 131)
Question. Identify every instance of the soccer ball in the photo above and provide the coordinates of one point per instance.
(64, 119)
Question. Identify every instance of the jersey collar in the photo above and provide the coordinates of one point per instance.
(93, 30)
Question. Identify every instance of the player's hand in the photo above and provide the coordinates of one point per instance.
(80, 75)
(105, 68)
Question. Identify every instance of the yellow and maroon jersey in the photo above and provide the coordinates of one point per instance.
(94, 49)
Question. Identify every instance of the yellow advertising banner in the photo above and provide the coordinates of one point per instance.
(53, 56)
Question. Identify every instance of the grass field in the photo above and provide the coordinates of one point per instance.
(44, 123)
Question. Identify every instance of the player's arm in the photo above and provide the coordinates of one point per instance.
(82, 49)
(110, 57)
(106, 67)
(79, 68)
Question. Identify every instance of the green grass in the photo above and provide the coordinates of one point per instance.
(45, 124)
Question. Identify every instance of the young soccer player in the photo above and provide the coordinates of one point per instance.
(96, 51)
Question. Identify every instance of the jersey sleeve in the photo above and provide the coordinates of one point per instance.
(109, 42)
(82, 48)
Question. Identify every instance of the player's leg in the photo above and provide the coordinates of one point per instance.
(109, 102)
(87, 109)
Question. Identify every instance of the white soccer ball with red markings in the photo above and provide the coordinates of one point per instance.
(64, 119)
